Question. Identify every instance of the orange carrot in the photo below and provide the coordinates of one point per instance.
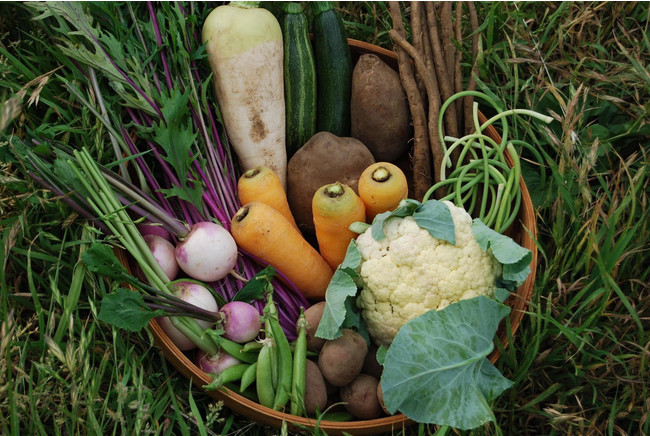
(335, 206)
(263, 184)
(381, 187)
(266, 234)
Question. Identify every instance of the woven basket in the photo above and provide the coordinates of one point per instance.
(523, 231)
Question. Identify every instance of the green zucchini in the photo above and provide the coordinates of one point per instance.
(299, 78)
(333, 71)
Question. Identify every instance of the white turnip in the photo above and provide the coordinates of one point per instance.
(148, 228)
(197, 295)
(164, 253)
(214, 363)
(241, 321)
(207, 253)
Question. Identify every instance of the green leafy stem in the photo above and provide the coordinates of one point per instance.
(112, 213)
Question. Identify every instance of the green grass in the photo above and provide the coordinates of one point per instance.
(580, 360)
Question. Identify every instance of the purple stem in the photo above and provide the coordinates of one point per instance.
(223, 159)
(224, 187)
(211, 189)
(292, 290)
(190, 213)
(217, 181)
(216, 212)
(156, 29)
(170, 174)
(146, 121)
(195, 116)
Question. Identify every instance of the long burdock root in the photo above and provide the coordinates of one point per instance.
(443, 70)
(471, 84)
(426, 50)
(458, 72)
(421, 152)
(417, 34)
(433, 95)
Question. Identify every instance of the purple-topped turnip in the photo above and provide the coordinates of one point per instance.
(164, 253)
(197, 295)
(241, 321)
(148, 228)
(214, 363)
(207, 253)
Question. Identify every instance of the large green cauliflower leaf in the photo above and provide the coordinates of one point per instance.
(436, 370)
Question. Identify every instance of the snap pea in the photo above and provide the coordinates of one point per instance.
(297, 406)
(282, 357)
(230, 374)
(284, 362)
(236, 350)
(252, 346)
(248, 377)
(263, 379)
(310, 353)
(273, 353)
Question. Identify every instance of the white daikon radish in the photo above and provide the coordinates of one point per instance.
(245, 51)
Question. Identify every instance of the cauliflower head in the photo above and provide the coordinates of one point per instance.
(409, 272)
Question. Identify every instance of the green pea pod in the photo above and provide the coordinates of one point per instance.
(230, 374)
(236, 350)
(252, 346)
(299, 367)
(281, 360)
(263, 379)
(248, 377)
(273, 352)
(285, 365)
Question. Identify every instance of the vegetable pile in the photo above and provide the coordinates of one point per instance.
(277, 229)
(429, 277)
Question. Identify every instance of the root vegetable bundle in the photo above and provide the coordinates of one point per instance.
(431, 71)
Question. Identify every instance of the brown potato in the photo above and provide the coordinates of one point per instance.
(370, 365)
(313, 315)
(324, 159)
(379, 110)
(341, 359)
(315, 389)
(380, 398)
(360, 397)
